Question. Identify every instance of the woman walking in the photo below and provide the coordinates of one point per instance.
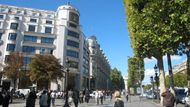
(118, 101)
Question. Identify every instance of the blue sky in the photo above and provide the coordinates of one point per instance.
(106, 20)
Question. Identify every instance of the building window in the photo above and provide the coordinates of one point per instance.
(16, 18)
(1, 35)
(10, 47)
(47, 40)
(28, 49)
(73, 17)
(48, 29)
(48, 22)
(72, 43)
(19, 12)
(30, 38)
(33, 20)
(73, 64)
(3, 10)
(31, 28)
(46, 51)
(14, 26)
(27, 60)
(72, 53)
(1, 16)
(73, 34)
(12, 36)
(72, 25)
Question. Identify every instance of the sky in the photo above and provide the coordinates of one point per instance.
(106, 19)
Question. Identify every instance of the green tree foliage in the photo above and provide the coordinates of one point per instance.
(13, 66)
(147, 87)
(157, 27)
(135, 71)
(180, 80)
(45, 68)
(117, 79)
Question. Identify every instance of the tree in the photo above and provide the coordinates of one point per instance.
(117, 79)
(180, 80)
(155, 29)
(135, 71)
(13, 66)
(147, 87)
(45, 68)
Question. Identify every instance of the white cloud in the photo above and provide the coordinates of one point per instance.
(147, 60)
(149, 72)
(173, 57)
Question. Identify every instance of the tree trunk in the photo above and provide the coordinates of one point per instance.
(162, 78)
(188, 68)
(188, 71)
(14, 83)
(171, 74)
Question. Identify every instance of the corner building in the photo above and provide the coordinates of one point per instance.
(33, 31)
(99, 66)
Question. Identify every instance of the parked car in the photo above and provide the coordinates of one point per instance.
(181, 95)
(150, 95)
(92, 94)
(143, 94)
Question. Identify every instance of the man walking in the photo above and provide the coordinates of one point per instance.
(169, 98)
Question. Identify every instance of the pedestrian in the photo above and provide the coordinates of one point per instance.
(53, 96)
(76, 97)
(101, 97)
(1, 98)
(118, 101)
(70, 99)
(12, 92)
(49, 99)
(169, 98)
(127, 96)
(81, 96)
(87, 95)
(44, 99)
(6, 98)
(97, 95)
(31, 99)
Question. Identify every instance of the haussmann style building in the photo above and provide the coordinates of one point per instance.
(34, 31)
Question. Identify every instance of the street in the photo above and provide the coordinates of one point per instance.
(134, 101)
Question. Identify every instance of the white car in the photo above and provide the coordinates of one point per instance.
(92, 95)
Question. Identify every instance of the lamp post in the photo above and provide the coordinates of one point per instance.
(66, 79)
(156, 79)
(152, 81)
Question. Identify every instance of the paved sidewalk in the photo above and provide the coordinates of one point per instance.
(134, 101)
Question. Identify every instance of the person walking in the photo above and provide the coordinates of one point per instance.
(6, 99)
(49, 99)
(97, 96)
(101, 97)
(169, 98)
(127, 96)
(87, 96)
(70, 99)
(44, 99)
(76, 97)
(81, 97)
(53, 96)
(1, 98)
(118, 101)
(31, 99)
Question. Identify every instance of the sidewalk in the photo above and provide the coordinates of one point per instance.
(134, 101)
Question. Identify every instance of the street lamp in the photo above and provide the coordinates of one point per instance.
(66, 79)
(156, 78)
(152, 81)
